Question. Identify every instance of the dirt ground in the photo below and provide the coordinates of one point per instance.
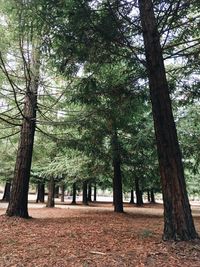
(73, 236)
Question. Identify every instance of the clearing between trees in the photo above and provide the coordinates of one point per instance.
(89, 236)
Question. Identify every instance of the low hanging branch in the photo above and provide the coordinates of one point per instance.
(3, 68)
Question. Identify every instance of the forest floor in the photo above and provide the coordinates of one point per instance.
(90, 236)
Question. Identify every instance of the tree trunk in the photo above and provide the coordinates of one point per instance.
(85, 199)
(56, 191)
(148, 196)
(132, 197)
(152, 196)
(18, 204)
(117, 177)
(138, 192)
(62, 193)
(74, 194)
(6, 195)
(89, 192)
(51, 193)
(178, 221)
(40, 193)
(95, 193)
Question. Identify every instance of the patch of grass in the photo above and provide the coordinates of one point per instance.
(85, 264)
(146, 233)
(11, 241)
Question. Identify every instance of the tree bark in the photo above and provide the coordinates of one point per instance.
(6, 195)
(95, 193)
(40, 192)
(178, 221)
(148, 196)
(18, 204)
(152, 196)
(74, 194)
(138, 192)
(89, 192)
(56, 191)
(117, 177)
(85, 199)
(62, 193)
(132, 197)
(51, 193)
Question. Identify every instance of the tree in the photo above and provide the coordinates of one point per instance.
(6, 194)
(85, 191)
(51, 193)
(22, 75)
(74, 194)
(40, 192)
(117, 176)
(19, 195)
(178, 221)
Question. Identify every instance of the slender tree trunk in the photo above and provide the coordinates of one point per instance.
(74, 194)
(95, 193)
(40, 193)
(56, 191)
(117, 177)
(132, 197)
(152, 196)
(148, 196)
(6, 195)
(89, 192)
(85, 199)
(51, 193)
(178, 221)
(62, 193)
(138, 192)
(18, 204)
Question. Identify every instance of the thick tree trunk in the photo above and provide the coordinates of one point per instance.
(85, 199)
(18, 204)
(152, 196)
(6, 195)
(178, 221)
(132, 197)
(89, 192)
(62, 193)
(74, 194)
(51, 193)
(117, 177)
(95, 193)
(138, 192)
(40, 193)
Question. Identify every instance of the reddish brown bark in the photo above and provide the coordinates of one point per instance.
(178, 221)
(20, 185)
(51, 193)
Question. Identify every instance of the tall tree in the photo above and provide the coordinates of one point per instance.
(29, 48)
(20, 185)
(178, 221)
(117, 176)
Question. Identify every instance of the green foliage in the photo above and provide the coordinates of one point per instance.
(93, 78)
